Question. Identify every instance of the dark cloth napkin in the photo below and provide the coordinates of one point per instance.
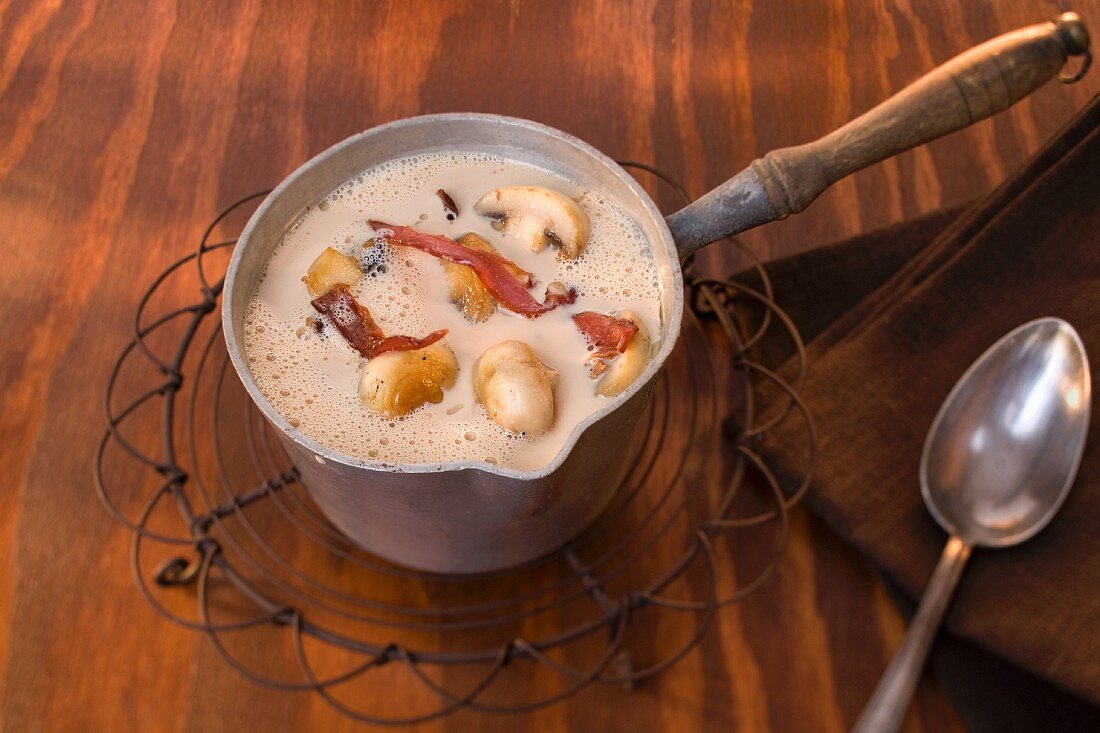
(893, 319)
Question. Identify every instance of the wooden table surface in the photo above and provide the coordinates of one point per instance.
(125, 126)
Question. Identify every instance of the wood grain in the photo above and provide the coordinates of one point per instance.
(124, 127)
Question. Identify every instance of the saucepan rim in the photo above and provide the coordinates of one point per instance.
(665, 251)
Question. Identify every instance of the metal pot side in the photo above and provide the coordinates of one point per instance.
(459, 516)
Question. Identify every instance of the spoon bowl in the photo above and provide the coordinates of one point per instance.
(998, 462)
(1002, 452)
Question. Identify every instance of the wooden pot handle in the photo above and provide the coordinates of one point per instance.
(970, 87)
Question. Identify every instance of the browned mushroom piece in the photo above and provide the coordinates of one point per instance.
(397, 382)
(331, 268)
(627, 366)
(467, 291)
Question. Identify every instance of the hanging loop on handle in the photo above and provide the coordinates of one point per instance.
(1075, 37)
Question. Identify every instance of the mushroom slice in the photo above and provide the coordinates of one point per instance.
(516, 388)
(466, 289)
(397, 382)
(540, 216)
(329, 269)
(625, 368)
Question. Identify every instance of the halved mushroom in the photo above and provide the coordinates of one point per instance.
(539, 216)
(625, 368)
(397, 382)
(331, 268)
(516, 387)
(467, 290)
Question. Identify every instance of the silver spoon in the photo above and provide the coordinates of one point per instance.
(998, 461)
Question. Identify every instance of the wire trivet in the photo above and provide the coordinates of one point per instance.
(243, 555)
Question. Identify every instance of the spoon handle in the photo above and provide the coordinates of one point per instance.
(886, 708)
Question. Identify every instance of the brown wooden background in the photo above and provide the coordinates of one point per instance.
(125, 126)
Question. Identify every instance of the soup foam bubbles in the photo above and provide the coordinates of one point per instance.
(312, 378)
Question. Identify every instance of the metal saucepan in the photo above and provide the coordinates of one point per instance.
(470, 516)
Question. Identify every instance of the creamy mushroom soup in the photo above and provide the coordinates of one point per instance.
(548, 294)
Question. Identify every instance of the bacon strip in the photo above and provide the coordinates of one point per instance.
(607, 336)
(354, 322)
(495, 272)
(478, 243)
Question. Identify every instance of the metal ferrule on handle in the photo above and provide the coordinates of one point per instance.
(971, 87)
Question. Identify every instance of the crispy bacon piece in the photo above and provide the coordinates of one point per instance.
(557, 294)
(497, 273)
(607, 337)
(354, 322)
(448, 204)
